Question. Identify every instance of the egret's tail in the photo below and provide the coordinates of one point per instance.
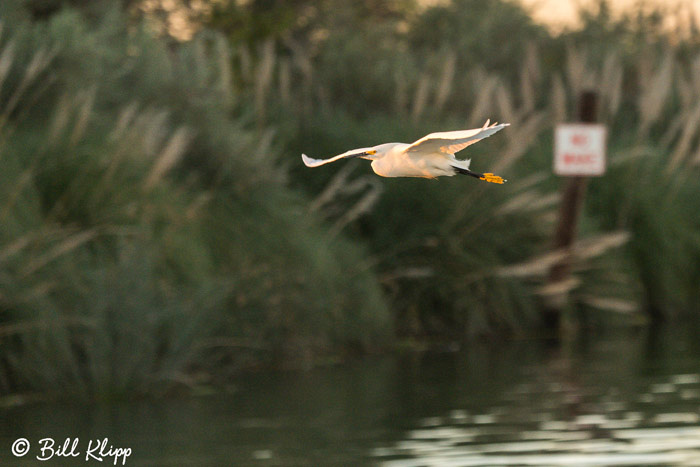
(487, 177)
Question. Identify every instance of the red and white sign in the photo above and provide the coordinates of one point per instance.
(579, 149)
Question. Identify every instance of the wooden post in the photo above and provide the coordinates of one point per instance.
(573, 194)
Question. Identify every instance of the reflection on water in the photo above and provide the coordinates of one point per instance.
(562, 424)
(622, 399)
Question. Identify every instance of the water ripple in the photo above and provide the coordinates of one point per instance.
(562, 425)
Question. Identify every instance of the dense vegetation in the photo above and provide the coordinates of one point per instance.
(157, 229)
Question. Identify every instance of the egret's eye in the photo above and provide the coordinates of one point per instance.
(372, 152)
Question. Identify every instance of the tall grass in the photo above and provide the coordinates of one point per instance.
(450, 67)
(149, 240)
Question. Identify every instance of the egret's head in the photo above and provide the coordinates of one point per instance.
(370, 154)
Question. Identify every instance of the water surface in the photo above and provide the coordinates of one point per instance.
(625, 398)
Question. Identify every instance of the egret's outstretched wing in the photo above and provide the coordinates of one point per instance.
(309, 162)
(451, 142)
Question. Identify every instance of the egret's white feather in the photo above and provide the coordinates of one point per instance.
(310, 162)
(451, 142)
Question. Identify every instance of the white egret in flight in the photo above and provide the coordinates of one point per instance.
(430, 157)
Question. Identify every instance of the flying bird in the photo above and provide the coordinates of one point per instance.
(430, 157)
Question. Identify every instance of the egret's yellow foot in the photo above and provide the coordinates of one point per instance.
(491, 178)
